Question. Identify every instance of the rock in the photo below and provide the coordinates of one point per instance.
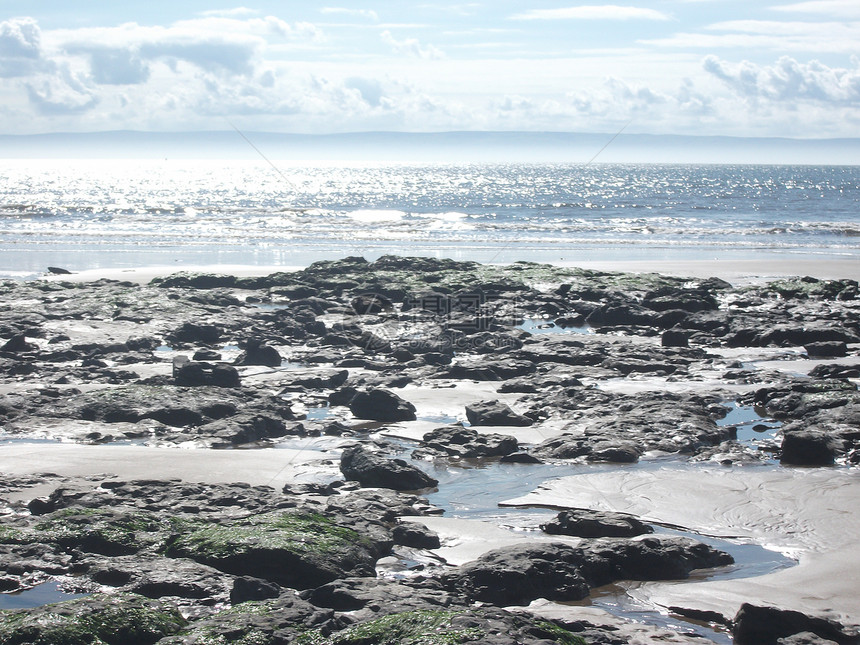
(754, 625)
(674, 338)
(835, 370)
(18, 344)
(374, 471)
(614, 451)
(371, 303)
(277, 621)
(256, 353)
(246, 588)
(415, 535)
(805, 638)
(381, 405)
(294, 549)
(519, 574)
(810, 448)
(193, 333)
(465, 443)
(115, 619)
(591, 524)
(197, 373)
(520, 458)
(494, 413)
(826, 349)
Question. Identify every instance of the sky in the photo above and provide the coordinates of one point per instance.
(778, 68)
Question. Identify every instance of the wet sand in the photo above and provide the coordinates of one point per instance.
(807, 514)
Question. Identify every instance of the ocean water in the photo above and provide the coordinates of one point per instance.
(91, 214)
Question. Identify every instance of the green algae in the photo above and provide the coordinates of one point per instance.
(100, 619)
(297, 532)
(420, 627)
(96, 530)
(558, 634)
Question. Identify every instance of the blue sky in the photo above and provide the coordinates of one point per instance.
(713, 67)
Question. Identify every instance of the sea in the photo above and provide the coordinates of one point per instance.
(104, 214)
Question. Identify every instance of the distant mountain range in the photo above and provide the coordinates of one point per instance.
(450, 147)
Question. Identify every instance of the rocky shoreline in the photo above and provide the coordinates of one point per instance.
(380, 373)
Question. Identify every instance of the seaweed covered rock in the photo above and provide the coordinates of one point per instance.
(276, 621)
(117, 619)
(293, 549)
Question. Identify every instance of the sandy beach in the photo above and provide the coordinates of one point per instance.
(635, 422)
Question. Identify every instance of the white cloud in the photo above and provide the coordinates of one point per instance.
(20, 48)
(789, 81)
(846, 9)
(410, 47)
(64, 93)
(785, 36)
(361, 13)
(593, 12)
(232, 13)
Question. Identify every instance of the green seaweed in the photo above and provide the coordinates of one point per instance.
(419, 627)
(122, 619)
(301, 533)
(97, 530)
(558, 634)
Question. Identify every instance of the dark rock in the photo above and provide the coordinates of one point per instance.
(193, 333)
(209, 355)
(197, 373)
(674, 338)
(614, 451)
(415, 535)
(755, 625)
(113, 619)
(494, 413)
(516, 575)
(591, 524)
(246, 588)
(293, 549)
(256, 353)
(371, 303)
(381, 405)
(831, 371)
(520, 458)
(805, 638)
(465, 443)
(827, 349)
(373, 471)
(810, 448)
(18, 344)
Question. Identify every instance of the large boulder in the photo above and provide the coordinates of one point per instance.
(494, 413)
(756, 625)
(580, 522)
(810, 447)
(521, 573)
(291, 548)
(257, 353)
(115, 619)
(374, 471)
(381, 405)
(197, 373)
(465, 443)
